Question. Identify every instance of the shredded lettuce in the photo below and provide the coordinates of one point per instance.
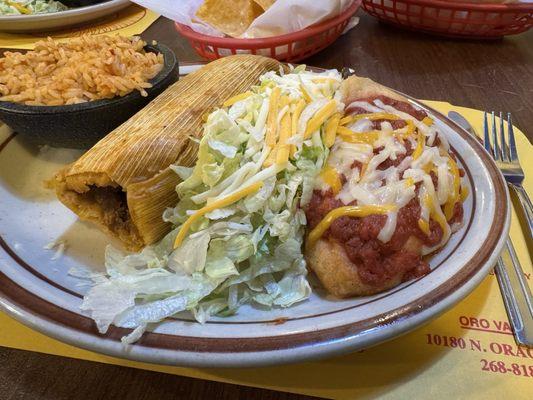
(249, 252)
(18, 7)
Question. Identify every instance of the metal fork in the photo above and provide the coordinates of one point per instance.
(509, 272)
(506, 157)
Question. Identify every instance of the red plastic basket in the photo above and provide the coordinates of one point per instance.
(455, 19)
(291, 47)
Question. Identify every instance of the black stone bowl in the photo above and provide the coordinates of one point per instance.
(80, 126)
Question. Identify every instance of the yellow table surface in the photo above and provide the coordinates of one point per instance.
(427, 363)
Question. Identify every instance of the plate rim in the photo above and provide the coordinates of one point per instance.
(62, 14)
(277, 349)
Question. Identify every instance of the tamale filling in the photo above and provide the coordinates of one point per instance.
(112, 201)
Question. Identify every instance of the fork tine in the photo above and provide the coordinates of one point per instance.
(496, 152)
(504, 151)
(486, 136)
(513, 156)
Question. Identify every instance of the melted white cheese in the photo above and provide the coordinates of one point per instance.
(362, 125)
(406, 117)
(394, 185)
(344, 154)
(365, 106)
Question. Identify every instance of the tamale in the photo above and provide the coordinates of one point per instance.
(124, 183)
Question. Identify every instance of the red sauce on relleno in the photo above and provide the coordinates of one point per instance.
(378, 262)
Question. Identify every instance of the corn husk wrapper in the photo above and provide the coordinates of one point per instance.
(124, 183)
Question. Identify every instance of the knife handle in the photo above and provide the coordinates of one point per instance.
(516, 295)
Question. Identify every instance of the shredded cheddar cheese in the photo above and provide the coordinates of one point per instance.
(320, 117)
(21, 9)
(429, 167)
(282, 154)
(224, 202)
(272, 119)
(232, 100)
(371, 116)
(427, 121)
(421, 141)
(464, 193)
(331, 129)
(347, 211)
(342, 130)
(323, 79)
(455, 195)
(424, 226)
(306, 96)
(269, 161)
(294, 123)
(410, 128)
(363, 170)
(331, 177)
(355, 137)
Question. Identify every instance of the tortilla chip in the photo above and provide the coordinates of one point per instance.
(265, 4)
(229, 17)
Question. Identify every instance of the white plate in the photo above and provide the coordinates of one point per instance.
(36, 290)
(59, 20)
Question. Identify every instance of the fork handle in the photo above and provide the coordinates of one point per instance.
(527, 207)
